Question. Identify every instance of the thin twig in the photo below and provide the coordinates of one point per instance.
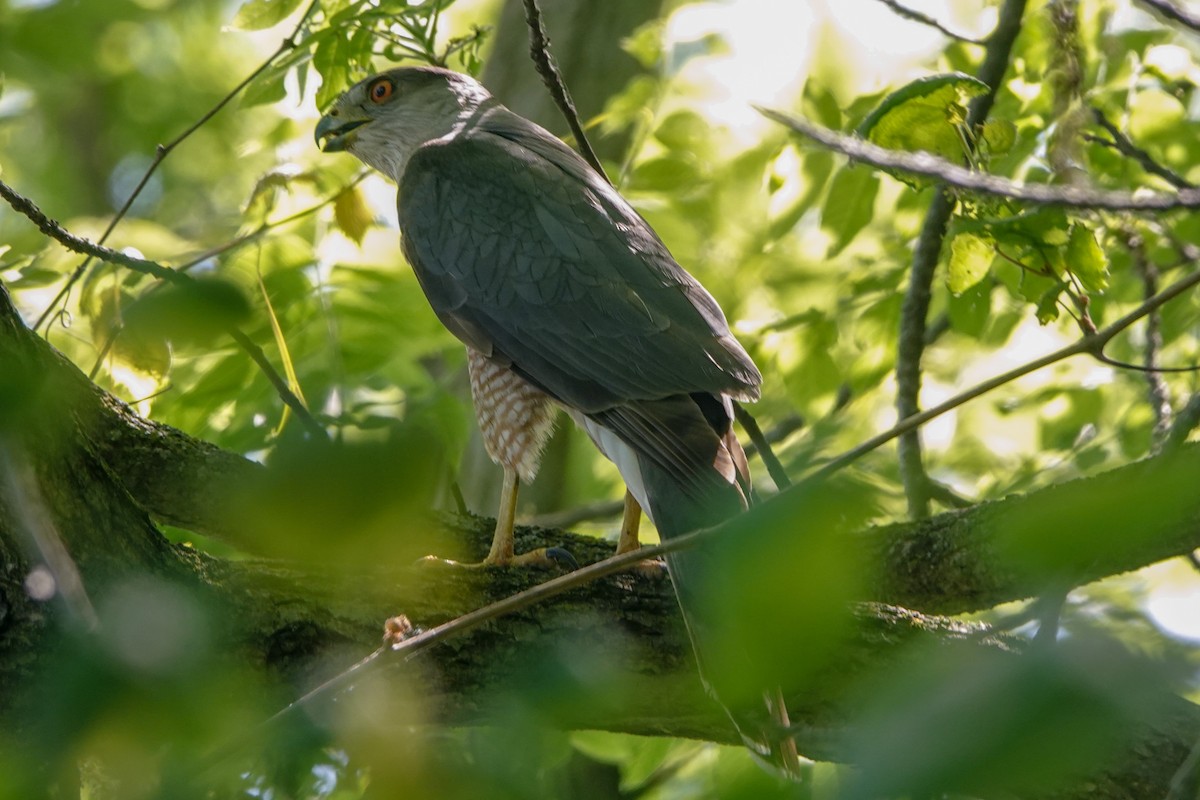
(1186, 421)
(940, 169)
(1125, 146)
(606, 509)
(80, 245)
(1091, 344)
(221, 249)
(913, 15)
(163, 150)
(770, 460)
(1157, 391)
(539, 50)
(1173, 12)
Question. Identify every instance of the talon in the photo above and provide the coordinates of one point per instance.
(562, 556)
(544, 557)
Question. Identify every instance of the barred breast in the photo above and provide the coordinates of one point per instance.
(515, 418)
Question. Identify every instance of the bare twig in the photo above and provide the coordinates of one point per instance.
(1170, 11)
(914, 311)
(924, 19)
(1091, 344)
(779, 431)
(80, 245)
(750, 425)
(539, 50)
(940, 169)
(1158, 393)
(1186, 421)
(163, 150)
(221, 249)
(1125, 146)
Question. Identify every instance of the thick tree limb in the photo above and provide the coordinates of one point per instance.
(945, 564)
(615, 648)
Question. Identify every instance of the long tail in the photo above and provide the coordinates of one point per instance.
(682, 461)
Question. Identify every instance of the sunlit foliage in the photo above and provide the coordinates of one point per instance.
(810, 257)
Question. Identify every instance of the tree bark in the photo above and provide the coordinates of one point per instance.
(615, 649)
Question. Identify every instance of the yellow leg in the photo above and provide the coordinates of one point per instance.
(502, 553)
(630, 523)
(502, 540)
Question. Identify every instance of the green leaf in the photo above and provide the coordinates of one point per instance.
(683, 130)
(1086, 260)
(332, 62)
(666, 174)
(971, 257)
(197, 312)
(970, 311)
(351, 214)
(256, 15)
(645, 44)
(849, 206)
(819, 105)
(924, 115)
(1047, 306)
(999, 135)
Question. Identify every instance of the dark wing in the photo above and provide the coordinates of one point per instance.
(526, 260)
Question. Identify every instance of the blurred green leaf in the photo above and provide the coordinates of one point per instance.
(971, 257)
(352, 215)
(849, 206)
(256, 15)
(982, 721)
(1086, 260)
(195, 312)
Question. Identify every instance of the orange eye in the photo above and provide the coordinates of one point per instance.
(380, 90)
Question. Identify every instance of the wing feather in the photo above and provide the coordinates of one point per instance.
(556, 274)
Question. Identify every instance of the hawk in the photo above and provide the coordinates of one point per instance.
(564, 296)
(562, 293)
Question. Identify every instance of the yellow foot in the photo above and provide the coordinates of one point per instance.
(541, 557)
(650, 568)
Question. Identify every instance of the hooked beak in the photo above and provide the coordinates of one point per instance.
(337, 132)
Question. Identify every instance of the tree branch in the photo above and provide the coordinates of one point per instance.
(163, 150)
(291, 621)
(1126, 147)
(80, 245)
(924, 19)
(914, 310)
(939, 169)
(1170, 11)
(539, 51)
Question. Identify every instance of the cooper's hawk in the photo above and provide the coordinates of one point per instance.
(563, 295)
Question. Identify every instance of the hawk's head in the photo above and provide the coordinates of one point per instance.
(383, 119)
